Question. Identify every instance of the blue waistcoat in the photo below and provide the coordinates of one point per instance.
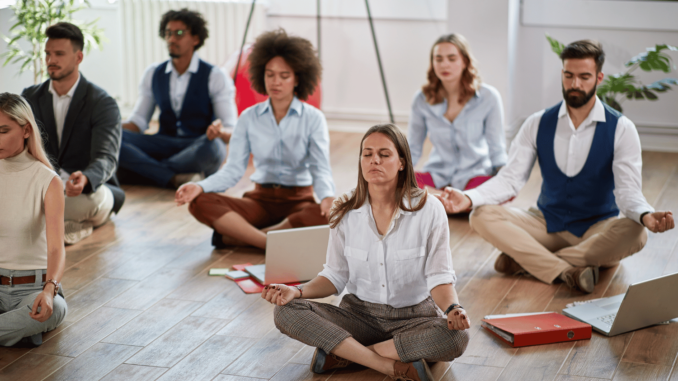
(576, 203)
(196, 111)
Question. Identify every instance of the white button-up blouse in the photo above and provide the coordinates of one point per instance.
(399, 268)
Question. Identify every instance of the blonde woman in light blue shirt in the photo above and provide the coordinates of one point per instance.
(463, 119)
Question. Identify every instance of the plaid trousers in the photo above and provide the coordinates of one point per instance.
(419, 331)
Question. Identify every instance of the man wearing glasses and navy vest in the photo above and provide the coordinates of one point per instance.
(197, 111)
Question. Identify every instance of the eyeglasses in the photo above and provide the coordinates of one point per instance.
(179, 33)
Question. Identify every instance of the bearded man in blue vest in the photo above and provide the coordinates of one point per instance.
(197, 111)
(590, 160)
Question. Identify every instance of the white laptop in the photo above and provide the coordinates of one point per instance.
(292, 255)
(644, 304)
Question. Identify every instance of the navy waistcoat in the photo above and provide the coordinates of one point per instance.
(576, 203)
(196, 111)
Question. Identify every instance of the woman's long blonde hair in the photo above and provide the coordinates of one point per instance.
(470, 78)
(18, 109)
(407, 181)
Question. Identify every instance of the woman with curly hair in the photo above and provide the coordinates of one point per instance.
(462, 117)
(389, 248)
(31, 229)
(290, 144)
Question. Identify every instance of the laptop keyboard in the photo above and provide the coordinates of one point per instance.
(608, 319)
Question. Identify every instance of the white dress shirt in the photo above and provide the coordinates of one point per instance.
(60, 105)
(221, 91)
(399, 268)
(571, 149)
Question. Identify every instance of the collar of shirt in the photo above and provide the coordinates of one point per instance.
(295, 106)
(366, 211)
(440, 108)
(69, 93)
(192, 67)
(597, 114)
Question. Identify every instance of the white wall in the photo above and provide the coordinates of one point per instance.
(527, 72)
(351, 85)
(657, 121)
(101, 67)
(485, 27)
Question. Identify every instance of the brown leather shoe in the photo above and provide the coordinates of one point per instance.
(580, 278)
(507, 265)
(412, 371)
(323, 362)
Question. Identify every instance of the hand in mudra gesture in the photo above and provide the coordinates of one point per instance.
(458, 319)
(659, 222)
(454, 200)
(187, 193)
(279, 294)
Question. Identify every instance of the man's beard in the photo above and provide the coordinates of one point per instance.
(55, 77)
(174, 55)
(577, 98)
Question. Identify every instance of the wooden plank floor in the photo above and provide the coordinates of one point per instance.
(141, 306)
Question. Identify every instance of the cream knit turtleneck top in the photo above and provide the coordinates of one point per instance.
(23, 185)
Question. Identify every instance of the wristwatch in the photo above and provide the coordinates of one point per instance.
(453, 306)
(301, 291)
(56, 286)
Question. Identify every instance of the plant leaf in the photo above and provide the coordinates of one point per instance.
(662, 85)
(649, 95)
(653, 59)
(556, 46)
(612, 103)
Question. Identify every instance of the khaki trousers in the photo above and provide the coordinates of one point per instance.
(94, 207)
(522, 235)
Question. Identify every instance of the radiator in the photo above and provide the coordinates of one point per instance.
(141, 45)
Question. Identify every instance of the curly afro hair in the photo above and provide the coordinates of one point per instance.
(193, 20)
(296, 51)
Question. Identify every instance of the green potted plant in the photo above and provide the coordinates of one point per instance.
(616, 88)
(32, 19)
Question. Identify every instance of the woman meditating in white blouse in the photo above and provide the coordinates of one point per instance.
(32, 256)
(389, 248)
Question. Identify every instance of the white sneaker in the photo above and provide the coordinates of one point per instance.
(182, 178)
(75, 232)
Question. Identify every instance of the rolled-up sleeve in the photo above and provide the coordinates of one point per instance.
(439, 257)
(143, 109)
(336, 266)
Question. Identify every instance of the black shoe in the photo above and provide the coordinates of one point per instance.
(118, 197)
(30, 341)
(218, 241)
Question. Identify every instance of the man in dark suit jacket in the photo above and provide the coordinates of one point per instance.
(83, 129)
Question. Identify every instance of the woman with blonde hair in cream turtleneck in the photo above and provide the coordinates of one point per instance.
(31, 229)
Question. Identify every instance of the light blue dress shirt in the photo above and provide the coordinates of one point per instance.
(294, 153)
(470, 146)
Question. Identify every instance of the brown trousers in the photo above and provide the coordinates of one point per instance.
(419, 331)
(262, 207)
(521, 234)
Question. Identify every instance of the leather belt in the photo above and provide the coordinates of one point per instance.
(276, 186)
(11, 281)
